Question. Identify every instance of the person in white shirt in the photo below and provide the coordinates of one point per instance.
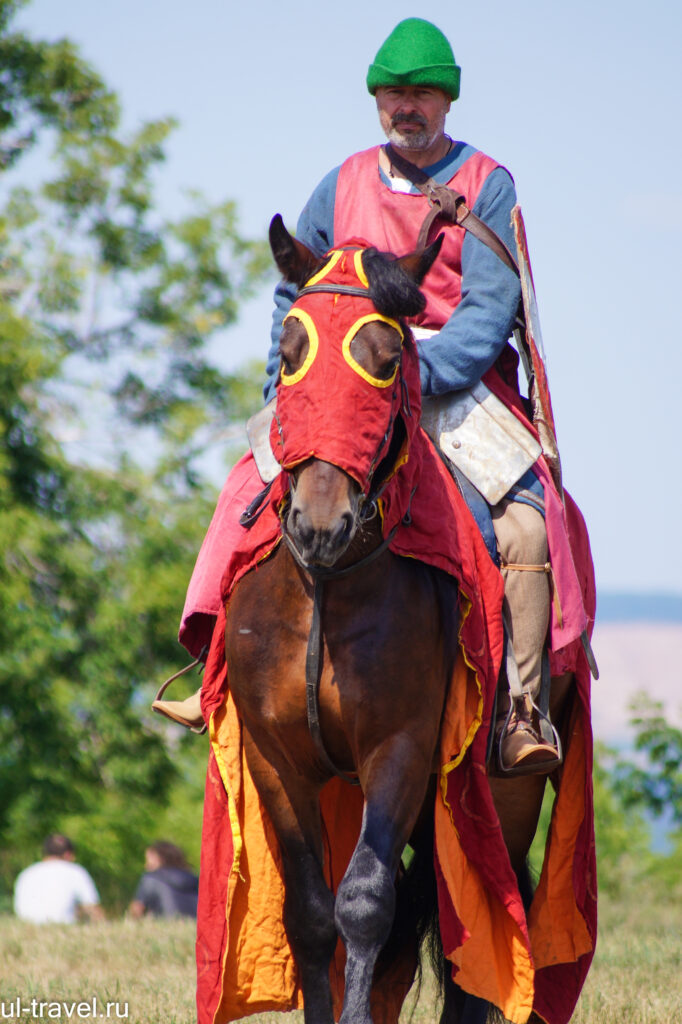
(56, 889)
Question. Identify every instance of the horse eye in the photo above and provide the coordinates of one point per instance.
(388, 368)
(294, 345)
(377, 348)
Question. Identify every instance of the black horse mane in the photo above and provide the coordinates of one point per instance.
(391, 289)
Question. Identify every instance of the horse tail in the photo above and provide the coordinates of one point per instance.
(458, 1006)
(527, 884)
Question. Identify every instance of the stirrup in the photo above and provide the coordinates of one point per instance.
(537, 767)
(164, 686)
(546, 736)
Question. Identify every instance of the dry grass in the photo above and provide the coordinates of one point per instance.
(148, 964)
(635, 978)
(637, 970)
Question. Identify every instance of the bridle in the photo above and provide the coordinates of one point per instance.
(313, 659)
(322, 574)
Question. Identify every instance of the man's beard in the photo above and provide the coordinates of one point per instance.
(412, 140)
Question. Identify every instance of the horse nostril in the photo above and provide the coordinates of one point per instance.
(347, 520)
(300, 526)
(340, 536)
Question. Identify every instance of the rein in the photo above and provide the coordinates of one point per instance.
(321, 574)
(313, 658)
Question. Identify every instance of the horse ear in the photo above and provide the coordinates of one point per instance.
(418, 264)
(295, 261)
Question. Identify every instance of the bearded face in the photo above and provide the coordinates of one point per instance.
(412, 117)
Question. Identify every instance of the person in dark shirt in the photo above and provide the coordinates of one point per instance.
(168, 888)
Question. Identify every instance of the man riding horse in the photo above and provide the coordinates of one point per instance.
(472, 302)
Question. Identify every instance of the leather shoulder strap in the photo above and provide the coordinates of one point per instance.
(451, 206)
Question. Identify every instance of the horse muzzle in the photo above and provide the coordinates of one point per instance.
(323, 516)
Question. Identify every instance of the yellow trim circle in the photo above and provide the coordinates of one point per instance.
(313, 345)
(359, 269)
(329, 265)
(345, 348)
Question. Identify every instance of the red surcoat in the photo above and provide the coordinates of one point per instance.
(366, 208)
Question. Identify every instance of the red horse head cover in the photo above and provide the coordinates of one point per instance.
(331, 408)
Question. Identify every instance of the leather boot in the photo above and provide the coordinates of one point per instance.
(185, 712)
(519, 748)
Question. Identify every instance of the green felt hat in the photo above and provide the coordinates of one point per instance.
(415, 53)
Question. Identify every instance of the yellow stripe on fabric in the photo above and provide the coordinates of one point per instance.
(216, 722)
(359, 269)
(494, 963)
(313, 344)
(329, 265)
(558, 930)
(249, 982)
(354, 365)
(213, 727)
(403, 458)
(478, 717)
(258, 970)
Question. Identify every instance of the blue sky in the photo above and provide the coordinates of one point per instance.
(580, 101)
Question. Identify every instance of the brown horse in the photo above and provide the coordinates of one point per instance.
(339, 657)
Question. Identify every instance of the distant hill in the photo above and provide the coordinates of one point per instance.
(615, 606)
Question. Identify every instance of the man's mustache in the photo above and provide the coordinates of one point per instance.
(408, 119)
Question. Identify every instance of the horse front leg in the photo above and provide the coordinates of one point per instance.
(310, 928)
(394, 788)
(293, 807)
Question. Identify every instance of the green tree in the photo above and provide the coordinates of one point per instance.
(649, 781)
(622, 836)
(107, 314)
(655, 780)
(45, 85)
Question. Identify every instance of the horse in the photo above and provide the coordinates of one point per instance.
(340, 652)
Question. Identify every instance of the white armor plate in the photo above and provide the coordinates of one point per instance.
(483, 438)
(258, 433)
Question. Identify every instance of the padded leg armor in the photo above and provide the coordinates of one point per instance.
(522, 744)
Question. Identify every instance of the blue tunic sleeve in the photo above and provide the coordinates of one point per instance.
(471, 340)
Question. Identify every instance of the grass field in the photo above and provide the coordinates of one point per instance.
(145, 969)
